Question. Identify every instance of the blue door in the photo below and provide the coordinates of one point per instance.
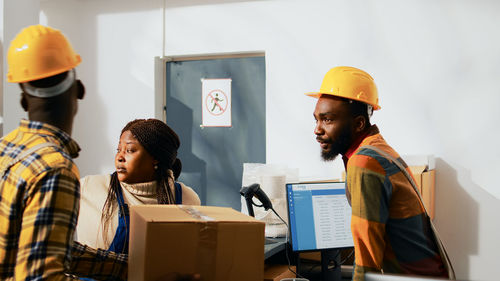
(213, 157)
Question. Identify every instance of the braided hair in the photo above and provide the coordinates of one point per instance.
(162, 143)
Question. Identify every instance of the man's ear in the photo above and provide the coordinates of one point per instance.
(80, 89)
(24, 101)
(359, 123)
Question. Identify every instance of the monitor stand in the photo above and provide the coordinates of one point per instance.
(330, 265)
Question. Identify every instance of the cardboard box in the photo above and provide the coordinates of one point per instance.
(276, 272)
(218, 243)
(425, 180)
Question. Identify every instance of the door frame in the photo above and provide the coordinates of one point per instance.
(160, 70)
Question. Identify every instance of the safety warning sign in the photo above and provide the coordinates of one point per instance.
(216, 102)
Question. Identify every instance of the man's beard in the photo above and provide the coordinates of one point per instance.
(339, 146)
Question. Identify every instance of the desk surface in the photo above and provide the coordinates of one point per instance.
(274, 246)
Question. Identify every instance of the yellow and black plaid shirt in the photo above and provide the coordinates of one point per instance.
(39, 204)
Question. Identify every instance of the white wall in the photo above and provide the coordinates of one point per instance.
(436, 64)
(15, 15)
(117, 41)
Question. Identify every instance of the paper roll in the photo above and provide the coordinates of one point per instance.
(273, 186)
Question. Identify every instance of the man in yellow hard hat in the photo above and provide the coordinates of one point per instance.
(39, 184)
(390, 228)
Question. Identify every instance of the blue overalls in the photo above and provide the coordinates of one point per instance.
(120, 241)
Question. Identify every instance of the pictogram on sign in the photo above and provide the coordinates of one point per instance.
(216, 102)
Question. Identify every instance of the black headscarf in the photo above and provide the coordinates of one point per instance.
(159, 140)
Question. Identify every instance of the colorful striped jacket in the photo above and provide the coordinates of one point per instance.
(390, 229)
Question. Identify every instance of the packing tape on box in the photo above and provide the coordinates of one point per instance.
(207, 242)
(207, 250)
(194, 213)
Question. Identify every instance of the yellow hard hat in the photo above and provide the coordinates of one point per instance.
(39, 52)
(350, 83)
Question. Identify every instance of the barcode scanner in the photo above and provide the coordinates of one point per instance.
(254, 190)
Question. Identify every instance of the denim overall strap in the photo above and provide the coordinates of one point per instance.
(178, 193)
(120, 241)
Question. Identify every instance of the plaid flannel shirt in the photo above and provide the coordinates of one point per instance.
(39, 204)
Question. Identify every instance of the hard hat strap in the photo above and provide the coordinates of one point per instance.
(53, 90)
(370, 109)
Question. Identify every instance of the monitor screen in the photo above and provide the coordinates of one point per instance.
(319, 216)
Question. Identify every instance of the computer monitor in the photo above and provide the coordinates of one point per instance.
(319, 216)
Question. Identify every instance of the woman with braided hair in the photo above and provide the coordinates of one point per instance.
(146, 169)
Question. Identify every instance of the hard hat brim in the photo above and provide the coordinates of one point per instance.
(38, 77)
(318, 94)
(313, 94)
